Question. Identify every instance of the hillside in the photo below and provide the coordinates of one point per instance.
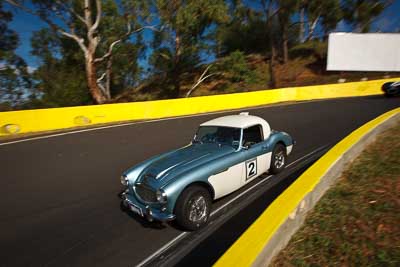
(244, 73)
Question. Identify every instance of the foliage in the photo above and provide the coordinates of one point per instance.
(187, 27)
(14, 77)
(328, 11)
(236, 67)
(96, 27)
(313, 48)
(361, 13)
(245, 31)
(186, 34)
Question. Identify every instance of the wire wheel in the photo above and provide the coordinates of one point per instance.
(198, 209)
(278, 161)
(193, 207)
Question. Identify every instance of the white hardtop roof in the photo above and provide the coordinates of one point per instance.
(243, 120)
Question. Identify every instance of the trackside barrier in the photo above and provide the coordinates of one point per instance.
(274, 228)
(26, 121)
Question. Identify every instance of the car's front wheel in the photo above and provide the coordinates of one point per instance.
(278, 160)
(193, 208)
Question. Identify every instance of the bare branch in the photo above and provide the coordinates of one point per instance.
(71, 10)
(109, 52)
(102, 88)
(200, 80)
(101, 77)
(153, 28)
(126, 35)
(75, 37)
(98, 16)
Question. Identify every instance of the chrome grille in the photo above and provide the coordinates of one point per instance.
(145, 193)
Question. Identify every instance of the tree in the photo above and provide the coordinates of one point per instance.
(186, 28)
(270, 11)
(244, 31)
(14, 77)
(80, 21)
(360, 13)
(60, 80)
(328, 13)
(286, 9)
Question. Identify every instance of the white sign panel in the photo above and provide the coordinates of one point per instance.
(364, 52)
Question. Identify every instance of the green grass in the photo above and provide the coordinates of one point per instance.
(357, 222)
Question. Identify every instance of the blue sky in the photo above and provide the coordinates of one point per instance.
(25, 24)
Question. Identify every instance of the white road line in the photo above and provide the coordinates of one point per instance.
(163, 248)
(142, 122)
(180, 236)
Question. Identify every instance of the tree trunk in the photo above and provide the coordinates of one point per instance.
(301, 30)
(268, 12)
(271, 69)
(91, 75)
(108, 77)
(272, 81)
(285, 44)
(312, 28)
(176, 72)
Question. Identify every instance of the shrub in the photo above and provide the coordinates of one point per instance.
(236, 68)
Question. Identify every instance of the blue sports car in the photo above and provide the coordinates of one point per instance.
(225, 154)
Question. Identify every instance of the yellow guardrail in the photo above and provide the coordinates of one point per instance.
(245, 250)
(61, 118)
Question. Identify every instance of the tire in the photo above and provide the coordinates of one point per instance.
(193, 207)
(278, 159)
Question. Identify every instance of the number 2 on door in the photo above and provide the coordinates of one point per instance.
(251, 168)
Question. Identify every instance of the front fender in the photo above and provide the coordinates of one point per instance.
(175, 188)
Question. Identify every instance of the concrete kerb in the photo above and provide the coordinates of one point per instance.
(295, 220)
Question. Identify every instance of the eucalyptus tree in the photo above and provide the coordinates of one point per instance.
(326, 13)
(187, 28)
(84, 23)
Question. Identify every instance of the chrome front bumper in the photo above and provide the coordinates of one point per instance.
(145, 211)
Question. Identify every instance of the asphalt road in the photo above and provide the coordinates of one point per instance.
(59, 203)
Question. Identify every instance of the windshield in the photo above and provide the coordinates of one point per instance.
(217, 134)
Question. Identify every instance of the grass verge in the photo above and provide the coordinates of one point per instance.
(357, 222)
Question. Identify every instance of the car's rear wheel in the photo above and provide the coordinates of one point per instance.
(193, 208)
(278, 160)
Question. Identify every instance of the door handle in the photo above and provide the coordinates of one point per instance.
(265, 147)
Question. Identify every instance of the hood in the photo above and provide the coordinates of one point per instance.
(167, 167)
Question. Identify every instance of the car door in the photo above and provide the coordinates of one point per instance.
(228, 180)
(255, 153)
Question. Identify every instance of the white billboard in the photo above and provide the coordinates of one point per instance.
(364, 52)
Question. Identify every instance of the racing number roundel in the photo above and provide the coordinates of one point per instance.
(251, 168)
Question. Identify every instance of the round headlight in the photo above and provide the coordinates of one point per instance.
(161, 196)
(124, 180)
